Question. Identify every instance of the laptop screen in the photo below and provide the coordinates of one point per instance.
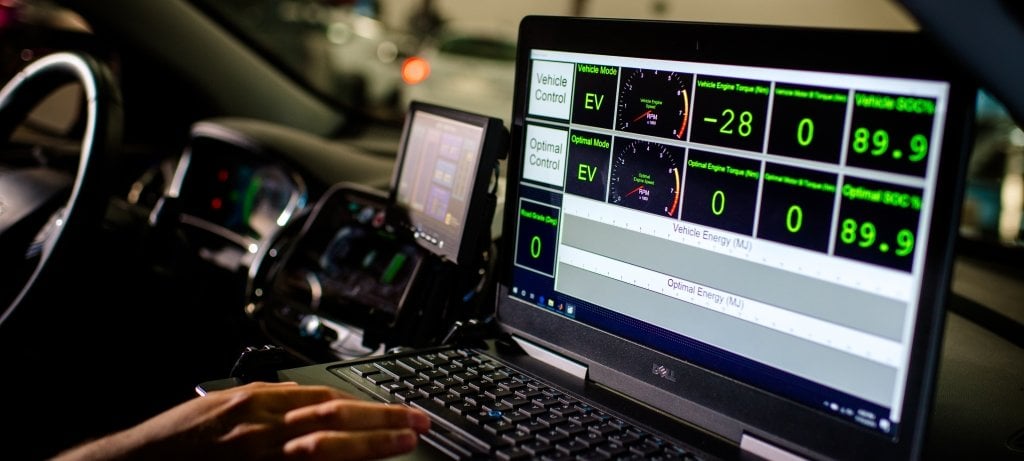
(767, 223)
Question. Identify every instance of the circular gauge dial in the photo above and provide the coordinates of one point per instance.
(269, 200)
(654, 102)
(646, 176)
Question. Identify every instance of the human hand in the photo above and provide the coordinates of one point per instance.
(265, 421)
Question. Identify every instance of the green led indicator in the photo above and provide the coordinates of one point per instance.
(744, 125)
(535, 247)
(794, 219)
(718, 202)
(851, 231)
(805, 132)
(393, 267)
(878, 144)
(865, 233)
(904, 242)
(919, 146)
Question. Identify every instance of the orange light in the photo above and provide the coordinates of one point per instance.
(415, 70)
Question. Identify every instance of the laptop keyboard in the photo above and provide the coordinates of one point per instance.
(501, 413)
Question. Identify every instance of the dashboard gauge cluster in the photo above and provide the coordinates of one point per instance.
(346, 265)
(226, 190)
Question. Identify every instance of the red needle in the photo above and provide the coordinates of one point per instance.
(643, 114)
(635, 190)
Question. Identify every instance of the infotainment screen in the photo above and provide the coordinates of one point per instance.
(446, 160)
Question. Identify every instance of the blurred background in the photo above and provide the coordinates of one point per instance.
(371, 57)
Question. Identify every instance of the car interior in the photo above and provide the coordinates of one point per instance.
(177, 176)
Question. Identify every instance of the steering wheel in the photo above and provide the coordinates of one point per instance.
(43, 208)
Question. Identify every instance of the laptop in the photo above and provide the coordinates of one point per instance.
(718, 241)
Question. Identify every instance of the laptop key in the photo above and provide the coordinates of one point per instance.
(537, 447)
(571, 430)
(431, 390)
(433, 359)
(462, 390)
(626, 438)
(532, 426)
(464, 408)
(515, 402)
(591, 438)
(511, 385)
(611, 449)
(499, 427)
(447, 399)
(484, 416)
(584, 420)
(472, 433)
(477, 399)
(497, 393)
(465, 377)
(393, 387)
(417, 381)
(572, 447)
(604, 429)
(451, 354)
(645, 449)
(451, 368)
(408, 395)
(515, 418)
(414, 363)
(551, 436)
(557, 456)
(565, 410)
(394, 369)
(551, 419)
(447, 381)
(533, 410)
(528, 394)
(518, 436)
(512, 454)
(364, 369)
(432, 374)
(379, 378)
(502, 407)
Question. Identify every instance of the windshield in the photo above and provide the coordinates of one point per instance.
(376, 57)
(373, 58)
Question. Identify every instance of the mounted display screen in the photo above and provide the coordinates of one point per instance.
(445, 162)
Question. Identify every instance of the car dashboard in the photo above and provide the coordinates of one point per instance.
(232, 196)
(202, 222)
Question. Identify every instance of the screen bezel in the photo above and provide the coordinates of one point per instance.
(718, 403)
(493, 145)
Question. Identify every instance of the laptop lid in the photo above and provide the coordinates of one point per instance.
(750, 228)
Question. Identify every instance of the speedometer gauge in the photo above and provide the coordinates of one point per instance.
(269, 200)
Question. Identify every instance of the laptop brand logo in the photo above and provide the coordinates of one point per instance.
(663, 372)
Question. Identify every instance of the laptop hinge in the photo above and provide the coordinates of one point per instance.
(551, 358)
(766, 450)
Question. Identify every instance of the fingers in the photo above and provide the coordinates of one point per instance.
(276, 398)
(314, 422)
(351, 445)
(356, 415)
